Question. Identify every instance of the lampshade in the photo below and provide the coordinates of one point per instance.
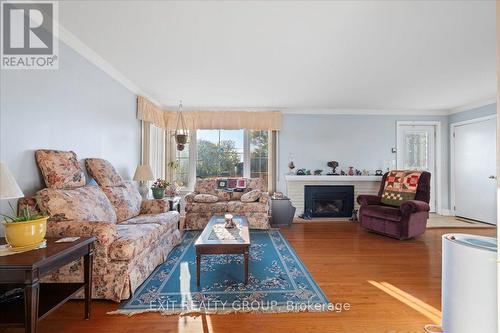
(8, 185)
(143, 173)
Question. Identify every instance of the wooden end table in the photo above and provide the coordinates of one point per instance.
(206, 246)
(24, 270)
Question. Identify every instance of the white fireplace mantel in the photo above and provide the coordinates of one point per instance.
(362, 185)
(295, 178)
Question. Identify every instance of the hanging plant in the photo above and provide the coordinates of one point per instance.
(181, 136)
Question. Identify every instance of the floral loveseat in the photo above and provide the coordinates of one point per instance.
(208, 200)
(133, 235)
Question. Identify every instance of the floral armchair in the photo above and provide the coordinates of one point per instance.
(208, 200)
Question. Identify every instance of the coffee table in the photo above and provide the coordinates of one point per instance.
(216, 239)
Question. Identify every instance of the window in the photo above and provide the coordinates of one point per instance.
(182, 170)
(259, 155)
(220, 153)
(223, 153)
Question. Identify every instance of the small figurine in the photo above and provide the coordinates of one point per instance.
(229, 221)
(301, 172)
(378, 172)
(351, 171)
(333, 165)
(318, 172)
(366, 172)
(308, 172)
(358, 172)
(342, 172)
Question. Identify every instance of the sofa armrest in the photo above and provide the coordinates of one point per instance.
(414, 206)
(264, 198)
(105, 232)
(365, 200)
(154, 206)
(190, 197)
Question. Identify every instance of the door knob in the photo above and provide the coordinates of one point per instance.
(492, 177)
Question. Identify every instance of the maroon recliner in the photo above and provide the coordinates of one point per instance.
(407, 221)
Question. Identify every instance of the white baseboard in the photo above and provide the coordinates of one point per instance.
(446, 212)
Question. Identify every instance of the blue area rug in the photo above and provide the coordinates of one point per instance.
(278, 281)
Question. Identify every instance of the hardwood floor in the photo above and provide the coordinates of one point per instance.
(391, 286)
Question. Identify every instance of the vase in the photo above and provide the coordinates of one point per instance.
(27, 233)
(158, 193)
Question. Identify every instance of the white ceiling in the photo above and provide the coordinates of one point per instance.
(385, 55)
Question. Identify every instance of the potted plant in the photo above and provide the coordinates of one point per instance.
(26, 229)
(158, 188)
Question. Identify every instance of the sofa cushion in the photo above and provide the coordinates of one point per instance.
(206, 186)
(246, 207)
(60, 169)
(202, 207)
(382, 212)
(132, 239)
(205, 198)
(125, 199)
(103, 172)
(170, 219)
(86, 203)
(251, 196)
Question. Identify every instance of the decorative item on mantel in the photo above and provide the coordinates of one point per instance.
(351, 171)
(228, 218)
(291, 165)
(181, 134)
(143, 174)
(333, 165)
(318, 172)
(301, 172)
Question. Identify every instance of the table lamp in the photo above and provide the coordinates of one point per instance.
(143, 174)
(8, 185)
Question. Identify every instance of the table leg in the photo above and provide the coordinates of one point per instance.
(87, 272)
(198, 264)
(246, 266)
(31, 295)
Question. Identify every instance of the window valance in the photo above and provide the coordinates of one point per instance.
(207, 119)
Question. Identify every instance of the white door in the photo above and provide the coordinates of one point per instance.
(474, 169)
(416, 150)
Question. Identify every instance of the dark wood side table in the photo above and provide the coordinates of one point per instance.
(24, 270)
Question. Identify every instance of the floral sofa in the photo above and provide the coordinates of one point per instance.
(133, 235)
(208, 200)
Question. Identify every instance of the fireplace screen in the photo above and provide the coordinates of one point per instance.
(328, 201)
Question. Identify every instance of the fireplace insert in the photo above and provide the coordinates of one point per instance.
(328, 201)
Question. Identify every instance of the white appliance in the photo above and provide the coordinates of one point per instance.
(469, 284)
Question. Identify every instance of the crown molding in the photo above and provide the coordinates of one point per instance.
(474, 105)
(367, 112)
(88, 53)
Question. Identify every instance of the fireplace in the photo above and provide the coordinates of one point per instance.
(328, 201)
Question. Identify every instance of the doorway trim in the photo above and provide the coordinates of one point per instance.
(452, 154)
(437, 150)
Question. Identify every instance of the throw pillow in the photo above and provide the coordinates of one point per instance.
(400, 186)
(251, 196)
(60, 169)
(206, 198)
(103, 172)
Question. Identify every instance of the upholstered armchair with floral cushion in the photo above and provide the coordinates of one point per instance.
(133, 236)
(208, 200)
